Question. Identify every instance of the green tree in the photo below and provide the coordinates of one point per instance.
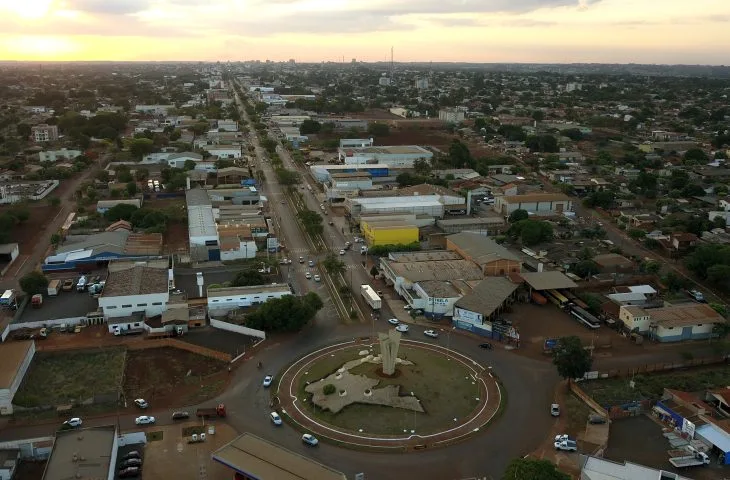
(585, 268)
(23, 130)
(287, 177)
(531, 469)
(132, 189)
(538, 115)
(571, 359)
(248, 277)
(34, 282)
(309, 127)
(531, 232)
(120, 212)
(285, 314)
(329, 389)
(374, 271)
(139, 147)
(189, 165)
(55, 239)
(652, 267)
(695, 156)
(422, 167)
(333, 264)
(378, 129)
(518, 215)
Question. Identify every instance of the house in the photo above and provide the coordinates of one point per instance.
(55, 155)
(693, 321)
(131, 287)
(535, 203)
(224, 151)
(683, 241)
(451, 115)
(720, 398)
(564, 157)
(44, 133)
(635, 318)
(613, 263)
(228, 125)
(641, 220)
(17, 356)
(160, 110)
(492, 258)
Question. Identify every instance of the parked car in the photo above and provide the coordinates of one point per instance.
(131, 462)
(431, 333)
(73, 422)
(407, 307)
(129, 472)
(393, 321)
(301, 259)
(180, 415)
(402, 328)
(317, 278)
(555, 410)
(141, 403)
(563, 437)
(485, 346)
(310, 439)
(596, 419)
(267, 380)
(144, 420)
(308, 275)
(311, 263)
(132, 454)
(566, 446)
(275, 418)
(342, 252)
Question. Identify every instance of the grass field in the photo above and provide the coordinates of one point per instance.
(444, 387)
(616, 391)
(63, 378)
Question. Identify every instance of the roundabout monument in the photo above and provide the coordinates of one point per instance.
(395, 395)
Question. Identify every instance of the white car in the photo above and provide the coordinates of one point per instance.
(347, 244)
(566, 446)
(402, 328)
(431, 333)
(144, 420)
(407, 307)
(141, 403)
(342, 252)
(311, 263)
(310, 439)
(267, 380)
(308, 276)
(73, 422)
(555, 410)
(317, 278)
(275, 418)
(393, 321)
(563, 437)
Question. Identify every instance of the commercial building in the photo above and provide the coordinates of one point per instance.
(693, 321)
(132, 288)
(595, 468)
(535, 203)
(378, 171)
(435, 297)
(202, 229)
(481, 225)
(223, 299)
(44, 133)
(388, 232)
(289, 120)
(429, 205)
(225, 151)
(451, 115)
(404, 270)
(17, 356)
(153, 109)
(253, 458)
(55, 155)
(243, 195)
(356, 142)
(492, 258)
(395, 156)
(347, 185)
(475, 310)
(87, 453)
(228, 125)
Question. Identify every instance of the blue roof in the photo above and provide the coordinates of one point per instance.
(716, 436)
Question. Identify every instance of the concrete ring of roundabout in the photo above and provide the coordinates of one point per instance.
(407, 422)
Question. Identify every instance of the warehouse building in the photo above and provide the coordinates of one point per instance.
(388, 232)
(395, 156)
(379, 172)
(404, 270)
(476, 310)
(132, 288)
(84, 454)
(434, 205)
(482, 225)
(202, 229)
(17, 356)
(534, 203)
(492, 258)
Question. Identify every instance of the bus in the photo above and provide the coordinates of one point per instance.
(573, 299)
(551, 298)
(563, 302)
(584, 317)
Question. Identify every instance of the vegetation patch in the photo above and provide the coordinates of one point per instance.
(62, 378)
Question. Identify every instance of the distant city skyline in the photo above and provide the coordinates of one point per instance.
(479, 31)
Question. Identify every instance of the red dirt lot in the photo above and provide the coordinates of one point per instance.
(170, 377)
(176, 238)
(26, 234)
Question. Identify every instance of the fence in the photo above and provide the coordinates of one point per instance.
(172, 343)
(48, 323)
(662, 367)
(586, 398)
(230, 327)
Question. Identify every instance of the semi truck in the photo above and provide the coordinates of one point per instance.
(218, 411)
(370, 297)
(54, 287)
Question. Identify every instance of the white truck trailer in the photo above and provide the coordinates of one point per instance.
(370, 297)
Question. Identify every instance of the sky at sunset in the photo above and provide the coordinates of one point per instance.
(555, 31)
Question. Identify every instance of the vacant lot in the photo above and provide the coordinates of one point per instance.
(63, 378)
(445, 388)
(169, 376)
(615, 391)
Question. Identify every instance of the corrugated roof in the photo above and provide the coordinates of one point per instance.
(137, 280)
(681, 315)
(481, 249)
(487, 296)
(536, 197)
(548, 280)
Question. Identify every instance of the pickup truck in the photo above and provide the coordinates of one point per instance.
(690, 460)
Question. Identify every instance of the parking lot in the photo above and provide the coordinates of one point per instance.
(64, 305)
(538, 322)
(187, 281)
(173, 457)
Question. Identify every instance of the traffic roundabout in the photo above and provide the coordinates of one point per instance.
(433, 397)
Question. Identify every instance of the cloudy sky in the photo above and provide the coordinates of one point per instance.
(622, 31)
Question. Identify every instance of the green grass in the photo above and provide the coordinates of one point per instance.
(615, 391)
(576, 413)
(62, 378)
(194, 429)
(441, 385)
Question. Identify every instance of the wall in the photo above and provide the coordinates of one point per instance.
(112, 306)
(502, 267)
(665, 335)
(48, 323)
(234, 301)
(173, 343)
(230, 327)
(28, 448)
(7, 394)
(463, 315)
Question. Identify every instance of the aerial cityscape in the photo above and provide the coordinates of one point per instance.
(309, 240)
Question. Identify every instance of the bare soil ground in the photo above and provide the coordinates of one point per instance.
(26, 234)
(168, 376)
(176, 238)
(30, 471)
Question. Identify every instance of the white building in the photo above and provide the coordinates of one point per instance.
(394, 156)
(224, 151)
(44, 133)
(400, 111)
(153, 109)
(134, 288)
(436, 298)
(177, 160)
(228, 125)
(535, 203)
(16, 360)
(202, 228)
(55, 155)
(356, 142)
(84, 453)
(431, 205)
(421, 83)
(9, 459)
(384, 81)
(231, 298)
(451, 115)
(572, 87)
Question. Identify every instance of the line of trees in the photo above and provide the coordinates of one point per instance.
(286, 314)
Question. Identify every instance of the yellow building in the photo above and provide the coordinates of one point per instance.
(388, 232)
